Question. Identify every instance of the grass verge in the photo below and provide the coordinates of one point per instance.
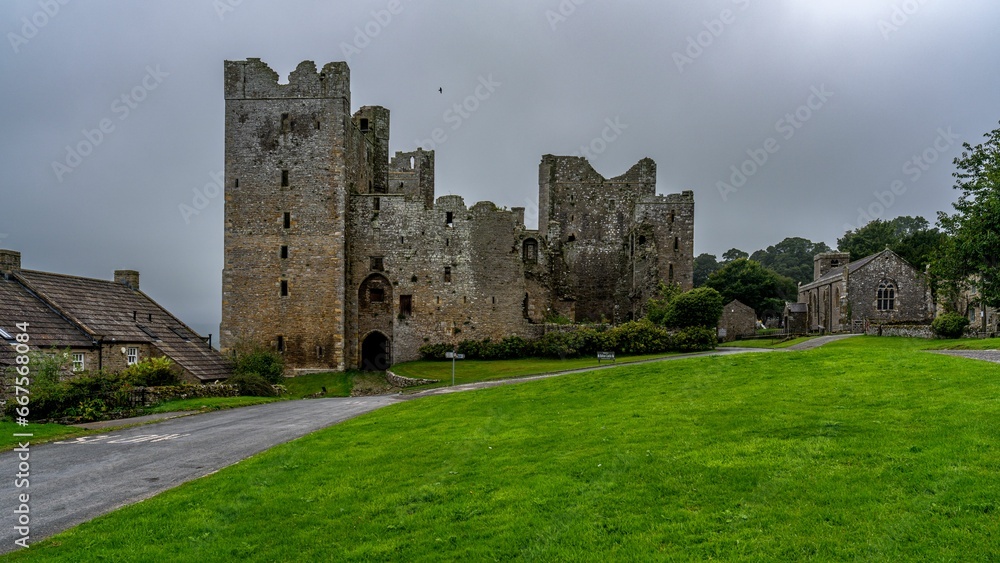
(41, 433)
(862, 449)
(208, 404)
(766, 343)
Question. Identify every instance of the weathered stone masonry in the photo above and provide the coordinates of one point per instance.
(340, 256)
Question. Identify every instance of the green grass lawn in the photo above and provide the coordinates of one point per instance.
(965, 344)
(40, 433)
(208, 404)
(863, 449)
(471, 371)
(337, 384)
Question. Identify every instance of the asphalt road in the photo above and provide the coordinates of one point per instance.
(76, 480)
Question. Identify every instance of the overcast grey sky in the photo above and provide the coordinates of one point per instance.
(785, 116)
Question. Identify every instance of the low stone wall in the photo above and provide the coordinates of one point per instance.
(146, 396)
(404, 382)
(910, 331)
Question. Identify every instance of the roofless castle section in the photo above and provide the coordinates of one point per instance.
(340, 256)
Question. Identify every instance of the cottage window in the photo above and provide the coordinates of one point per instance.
(886, 298)
(131, 356)
(78, 362)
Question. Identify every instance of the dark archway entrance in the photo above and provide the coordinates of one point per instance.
(375, 352)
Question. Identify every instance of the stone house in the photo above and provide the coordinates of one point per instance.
(796, 318)
(340, 256)
(105, 325)
(878, 289)
(738, 320)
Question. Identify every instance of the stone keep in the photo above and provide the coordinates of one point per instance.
(339, 255)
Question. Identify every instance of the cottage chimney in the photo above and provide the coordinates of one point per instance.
(129, 278)
(10, 261)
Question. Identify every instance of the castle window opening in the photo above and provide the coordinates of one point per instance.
(319, 352)
(376, 263)
(406, 305)
(377, 204)
(571, 238)
(671, 216)
(376, 294)
(670, 273)
(236, 183)
(284, 178)
(530, 252)
(447, 242)
(885, 299)
(677, 244)
(494, 299)
(284, 252)
(449, 219)
(284, 288)
(364, 124)
(379, 189)
(281, 343)
(413, 163)
(447, 274)
(287, 220)
(642, 239)
(286, 124)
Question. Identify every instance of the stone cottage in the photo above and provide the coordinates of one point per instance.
(105, 325)
(738, 320)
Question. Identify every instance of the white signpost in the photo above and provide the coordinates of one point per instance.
(454, 356)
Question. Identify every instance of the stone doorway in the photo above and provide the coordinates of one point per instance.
(375, 352)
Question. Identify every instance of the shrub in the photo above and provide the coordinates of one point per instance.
(557, 345)
(87, 397)
(251, 385)
(950, 325)
(151, 372)
(434, 351)
(641, 337)
(698, 307)
(695, 339)
(256, 359)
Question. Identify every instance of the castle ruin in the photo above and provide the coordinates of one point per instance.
(340, 257)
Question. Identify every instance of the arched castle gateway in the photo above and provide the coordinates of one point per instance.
(335, 251)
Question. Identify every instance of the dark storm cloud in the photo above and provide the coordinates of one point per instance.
(717, 93)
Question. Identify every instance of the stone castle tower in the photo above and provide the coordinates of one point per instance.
(339, 256)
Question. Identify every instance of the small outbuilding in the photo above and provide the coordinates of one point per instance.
(738, 320)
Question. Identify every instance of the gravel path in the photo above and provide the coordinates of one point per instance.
(985, 355)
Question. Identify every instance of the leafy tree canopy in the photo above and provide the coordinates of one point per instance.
(733, 254)
(792, 257)
(754, 285)
(911, 237)
(974, 251)
(704, 264)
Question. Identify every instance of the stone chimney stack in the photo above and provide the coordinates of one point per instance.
(129, 278)
(10, 261)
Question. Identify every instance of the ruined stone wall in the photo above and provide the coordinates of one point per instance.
(463, 279)
(287, 159)
(412, 174)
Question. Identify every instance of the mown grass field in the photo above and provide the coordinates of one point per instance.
(40, 433)
(864, 449)
(766, 343)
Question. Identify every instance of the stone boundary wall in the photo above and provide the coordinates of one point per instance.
(146, 396)
(911, 331)
(404, 382)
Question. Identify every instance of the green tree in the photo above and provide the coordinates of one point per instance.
(974, 253)
(910, 237)
(704, 265)
(792, 257)
(733, 254)
(700, 307)
(754, 285)
(657, 307)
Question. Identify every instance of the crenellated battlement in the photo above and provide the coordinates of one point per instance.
(253, 79)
